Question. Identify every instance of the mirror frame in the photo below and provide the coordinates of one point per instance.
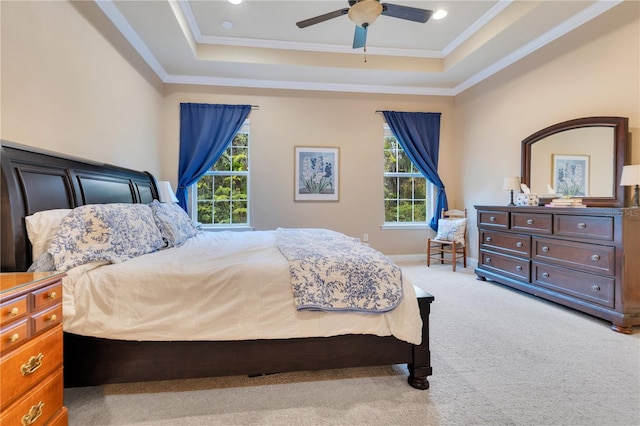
(620, 127)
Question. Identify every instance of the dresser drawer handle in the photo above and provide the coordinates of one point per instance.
(595, 257)
(519, 244)
(518, 268)
(545, 249)
(492, 219)
(14, 312)
(53, 295)
(529, 221)
(488, 260)
(488, 239)
(33, 414)
(595, 288)
(14, 337)
(53, 318)
(582, 225)
(545, 275)
(32, 365)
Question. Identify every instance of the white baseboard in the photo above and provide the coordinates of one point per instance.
(400, 258)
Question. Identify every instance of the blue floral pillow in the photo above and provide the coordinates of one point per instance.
(451, 230)
(104, 232)
(174, 223)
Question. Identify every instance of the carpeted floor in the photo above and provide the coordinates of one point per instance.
(499, 358)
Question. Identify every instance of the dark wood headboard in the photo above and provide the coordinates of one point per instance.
(34, 181)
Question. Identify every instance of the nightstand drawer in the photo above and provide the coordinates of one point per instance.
(538, 223)
(47, 296)
(600, 228)
(587, 257)
(39, 405)
(29, 364)
(13, 310)
(513, 244)
(14, 336)
(589, 287)
(514, 267)
(47, 319)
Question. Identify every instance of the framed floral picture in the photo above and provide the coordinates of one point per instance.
(571, 175)
(316, 174)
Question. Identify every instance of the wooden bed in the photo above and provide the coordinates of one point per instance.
(34, 181)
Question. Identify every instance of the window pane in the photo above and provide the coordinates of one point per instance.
(205, 212)
(239, 211)
(240, 159)
(419, 211)
(205, 191)
(222, 213)
(390, 211)
(420, 188)
(406, 188)
(239, 188)
(222, 188)
(390, 187)
(224, 162)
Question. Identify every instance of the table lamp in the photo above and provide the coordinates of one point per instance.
(631, 177)
(511, 184)
(165, 192)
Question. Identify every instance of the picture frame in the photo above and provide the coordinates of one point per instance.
(316, 173)
(571, 175)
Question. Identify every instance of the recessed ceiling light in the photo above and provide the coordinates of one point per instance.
(235, 1)
(439, 14)
(227, 24)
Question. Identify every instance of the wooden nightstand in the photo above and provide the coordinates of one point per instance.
(31, 383)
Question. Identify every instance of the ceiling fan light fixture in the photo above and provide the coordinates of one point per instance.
(365, 12)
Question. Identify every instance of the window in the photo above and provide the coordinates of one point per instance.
(222, 193)
(408, 196)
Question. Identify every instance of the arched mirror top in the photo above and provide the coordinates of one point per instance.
(581, 158)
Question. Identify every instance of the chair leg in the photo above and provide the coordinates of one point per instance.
(441, 254)
(428, 253)
(454, 258)
(464, 256)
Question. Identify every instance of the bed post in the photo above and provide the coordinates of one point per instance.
(420, 369)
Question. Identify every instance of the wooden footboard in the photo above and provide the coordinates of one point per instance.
(90, 361)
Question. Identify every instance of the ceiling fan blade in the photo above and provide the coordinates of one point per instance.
(322, 18)
(360, 37)
(406, 12)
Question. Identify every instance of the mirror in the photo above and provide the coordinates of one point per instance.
(582, 158)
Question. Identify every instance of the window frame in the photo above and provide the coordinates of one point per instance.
(193, 189)
(430, 192)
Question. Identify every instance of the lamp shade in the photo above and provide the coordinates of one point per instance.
(511, 183)
(630, 175)
(365, 12)
(165, 192)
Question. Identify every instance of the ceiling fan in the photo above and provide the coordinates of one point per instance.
(364, 12)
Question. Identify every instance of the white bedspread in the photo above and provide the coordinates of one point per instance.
(217, 286)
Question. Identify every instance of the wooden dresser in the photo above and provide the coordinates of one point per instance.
(31, 383)
(585, 258)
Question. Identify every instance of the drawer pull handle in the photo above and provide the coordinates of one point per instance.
(14, 312)
(488, 260)
(33, 414)
(595, 288)
(492, 219)
(545, 275)
(595, 257)
(32, 365)
(53, 318)
(529, 221)
(582, 225)
(53, 295)
(518, 268)
(545, 249)
(14, 337)
(519, 244)
(488, 239)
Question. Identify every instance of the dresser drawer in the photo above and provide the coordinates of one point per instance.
(587, 257)
(514, 244)
(589, 287)
(600, 228)
(493, 219)
(44, 320)
(539, 223)
(39, 405)
(47, 296)
(510, 266)
(14, 336)
(13, 310)
(29, 364)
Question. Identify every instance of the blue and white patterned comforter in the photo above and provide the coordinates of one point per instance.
(333, 272)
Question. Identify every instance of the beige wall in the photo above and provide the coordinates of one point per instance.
(347, 121)
(76, 87)
(68, 88)
(592, 71)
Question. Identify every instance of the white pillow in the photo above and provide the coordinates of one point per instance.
(41, 227)
(451, 230)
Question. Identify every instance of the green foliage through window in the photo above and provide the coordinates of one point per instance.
(405, 189)
(222, 193)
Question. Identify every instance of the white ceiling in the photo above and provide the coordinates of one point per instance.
(184, 42)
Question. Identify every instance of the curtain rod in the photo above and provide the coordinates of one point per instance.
(255, 107)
